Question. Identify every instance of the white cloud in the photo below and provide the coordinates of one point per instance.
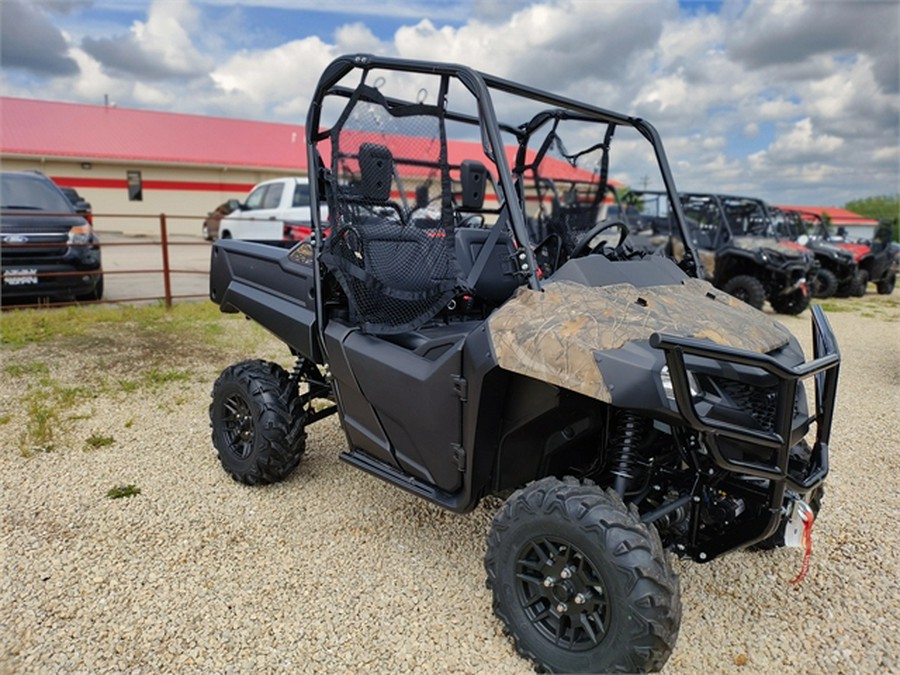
(715, 83)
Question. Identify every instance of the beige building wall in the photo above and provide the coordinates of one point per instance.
(184, 193)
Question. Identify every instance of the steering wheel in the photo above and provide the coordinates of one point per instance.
(474, 220)
(584, 247)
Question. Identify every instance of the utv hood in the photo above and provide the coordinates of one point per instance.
(787, 249)
(554, 335)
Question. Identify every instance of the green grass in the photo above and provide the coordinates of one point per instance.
(121, 491)
(95, 441)
(30, 368)
(43, 424)
(129, 349)
(198, 320)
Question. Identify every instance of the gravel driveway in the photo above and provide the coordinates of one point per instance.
(334, 571)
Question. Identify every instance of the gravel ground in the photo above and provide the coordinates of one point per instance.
(334, 571)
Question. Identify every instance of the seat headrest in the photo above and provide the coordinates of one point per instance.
(473, 176)
(376, 168)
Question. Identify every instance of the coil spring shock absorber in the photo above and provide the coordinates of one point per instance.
(625, 439)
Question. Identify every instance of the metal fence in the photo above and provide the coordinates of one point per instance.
(132, 265)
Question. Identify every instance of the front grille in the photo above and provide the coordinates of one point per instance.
(37, 249)
(759, 402)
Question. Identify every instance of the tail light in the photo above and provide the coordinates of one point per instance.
(296, 231)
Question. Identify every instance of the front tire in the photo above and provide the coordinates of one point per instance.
(257, 422)
(824, 284)
(790, 303)
(95, 295)
(859, 283)
(886, 286)
(747, 288)
(579, 582)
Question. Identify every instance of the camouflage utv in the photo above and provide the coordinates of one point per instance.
(743, 256)
(625, 409)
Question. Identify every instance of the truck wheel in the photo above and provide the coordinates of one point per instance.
(886, 286)
(824, 284)
(94, 295)
(579, 582)
(859, 283)
(790, 303)
(257, 422)
(746, 288)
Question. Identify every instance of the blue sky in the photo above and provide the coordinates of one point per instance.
(795, 101)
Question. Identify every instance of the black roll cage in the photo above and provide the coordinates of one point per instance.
(480, 85)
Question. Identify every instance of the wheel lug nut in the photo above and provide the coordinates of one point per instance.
(548, 582)
(566, 573)
(561, 607)
(580, 599)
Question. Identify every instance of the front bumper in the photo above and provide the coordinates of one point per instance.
(48, 280)
(777, 442)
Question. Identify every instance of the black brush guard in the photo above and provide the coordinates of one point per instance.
(824, 368)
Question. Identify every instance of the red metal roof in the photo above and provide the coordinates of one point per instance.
(35, 128)
(50, 129)
(837, 215)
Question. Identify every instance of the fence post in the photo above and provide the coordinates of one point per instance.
(164, 240)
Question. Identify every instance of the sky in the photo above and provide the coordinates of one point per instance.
(793, 101)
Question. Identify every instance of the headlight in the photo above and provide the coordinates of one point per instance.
(666, 380)
(80, 235)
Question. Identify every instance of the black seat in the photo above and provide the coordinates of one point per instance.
(497, 281)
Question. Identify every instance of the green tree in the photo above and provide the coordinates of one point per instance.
(885, 208)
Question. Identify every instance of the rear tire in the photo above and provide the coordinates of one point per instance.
(859, 283)
(790, 303)
(886, 286)
(257, 422)
(746, 288)
(579, 582)
(824, 284)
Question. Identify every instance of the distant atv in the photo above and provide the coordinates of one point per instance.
(878, 262)
(742, 257)
(623, 407)
(838, 272)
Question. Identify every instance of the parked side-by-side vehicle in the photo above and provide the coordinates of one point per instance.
(473, 344)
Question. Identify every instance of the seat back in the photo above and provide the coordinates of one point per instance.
(396, 276)
(497, 281)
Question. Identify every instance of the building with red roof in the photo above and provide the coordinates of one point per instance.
(856, 226)
(186, 164)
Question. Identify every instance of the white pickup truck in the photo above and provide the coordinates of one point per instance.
(275, 209)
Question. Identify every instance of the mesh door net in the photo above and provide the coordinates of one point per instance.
(391, 245)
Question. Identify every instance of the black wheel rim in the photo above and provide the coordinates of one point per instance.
(238, 426)
(562, 594)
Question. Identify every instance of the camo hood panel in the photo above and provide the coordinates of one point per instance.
(785, 249)
(554, 335)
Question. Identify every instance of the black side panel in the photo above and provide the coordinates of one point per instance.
(270, 285)
(364, 431)
(415, 403)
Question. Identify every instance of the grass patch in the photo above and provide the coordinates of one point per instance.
(33, 368)
(156, 377)
(5, 419)
(42, 425)
(95, 441)
(200, 321)
(121, 491)
(129, 386)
